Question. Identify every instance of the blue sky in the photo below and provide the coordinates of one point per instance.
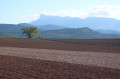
(20, 11)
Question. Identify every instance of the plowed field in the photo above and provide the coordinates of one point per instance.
(26, 59)
(94, 45)
(24, 68)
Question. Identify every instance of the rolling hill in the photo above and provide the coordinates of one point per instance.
(50, 27)
(78, 33)
(44, 27)
(11, 30)
(107, 31)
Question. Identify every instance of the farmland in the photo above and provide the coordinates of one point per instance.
(59, 59)
(93, 45)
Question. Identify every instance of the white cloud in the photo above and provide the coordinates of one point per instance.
(71, 13)
(97, 11)
(62, 13)
(29, 18)
(104, 11)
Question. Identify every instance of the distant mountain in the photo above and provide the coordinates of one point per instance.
(15, 30)
(108, 31)
(24, 24)
(78, 33)
(74, 22)
(11, 30)
(50, 27)
(44, 27)
(11, 27)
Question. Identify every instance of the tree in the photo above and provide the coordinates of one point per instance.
(30, 31)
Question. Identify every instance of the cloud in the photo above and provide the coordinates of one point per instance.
(62, 13)
(110, 11)
(96, 11)
(29, 18)
(104, 11)
(71, 13)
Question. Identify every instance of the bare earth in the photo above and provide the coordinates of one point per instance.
(12, 67)
(86, 45)
(110, 60)
(59, 59)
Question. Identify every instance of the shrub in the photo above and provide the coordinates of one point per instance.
(41, 37)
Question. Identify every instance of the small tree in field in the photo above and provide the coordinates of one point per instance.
(30, 31)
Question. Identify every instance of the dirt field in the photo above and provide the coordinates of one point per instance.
(107, 45)
(24, 68)
(109, 60)
(59, 59)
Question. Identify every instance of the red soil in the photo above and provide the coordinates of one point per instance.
(28, 68)
(25, 68)
(98, 45)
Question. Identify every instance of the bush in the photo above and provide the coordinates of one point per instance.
(41, 37)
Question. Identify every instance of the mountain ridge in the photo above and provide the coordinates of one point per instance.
(11, 30)
(75, 22)
(76, 33)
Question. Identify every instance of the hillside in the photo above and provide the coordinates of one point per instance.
(11, 30)
(10, 27)
(59, 32)
(107, 31)
(78, 33)
(50, 27)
